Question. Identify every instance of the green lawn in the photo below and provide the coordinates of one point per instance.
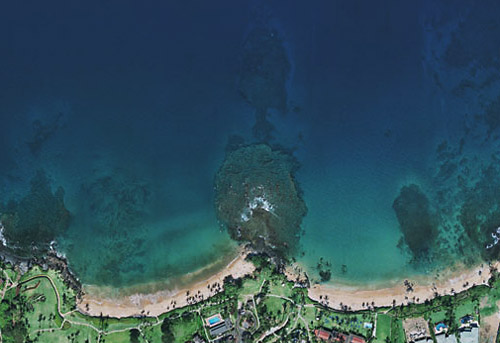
(346, 322)
(73, 334)
(119, 337)
(383, 328)
(44, 302)
(467, 308)
(438, 316)
(397, 332)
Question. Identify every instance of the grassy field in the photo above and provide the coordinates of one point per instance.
(383, 331)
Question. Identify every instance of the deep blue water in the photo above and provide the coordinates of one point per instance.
(129, 107)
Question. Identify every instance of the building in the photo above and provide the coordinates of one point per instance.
(444, 338)
(356, 339)
(339, 337)
(322, 334)
(470, 336)
(467, 323)
(469, 330)
(221, 328)
(213, 320)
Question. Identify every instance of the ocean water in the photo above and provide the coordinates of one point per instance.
(129, 108)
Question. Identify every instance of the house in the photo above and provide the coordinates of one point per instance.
(322, 334)
(443, 338)
(469, 330)
(470, 336)
(468, 322)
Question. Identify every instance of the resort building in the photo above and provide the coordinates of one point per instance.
(217, 325)
(221, 328)
(322, 334)
(213, 320)
(337, 337)
(355, 339)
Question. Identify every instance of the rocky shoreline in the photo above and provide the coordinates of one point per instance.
(51, 260)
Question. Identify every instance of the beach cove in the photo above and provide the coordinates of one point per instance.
(335, 296)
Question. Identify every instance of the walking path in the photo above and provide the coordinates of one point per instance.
(9, 284)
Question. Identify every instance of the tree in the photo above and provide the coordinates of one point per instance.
(134, 336)
(166, 330)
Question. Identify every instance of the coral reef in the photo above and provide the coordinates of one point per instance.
(34, 221)
(258, 199)
(115, 209)
(480, 211)
(417, 223)
(116, 200)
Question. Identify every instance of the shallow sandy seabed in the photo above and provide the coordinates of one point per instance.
(333, 295)
(423, 287)
(160, 302)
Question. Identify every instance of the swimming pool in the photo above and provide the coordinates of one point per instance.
(213, 320)
(440, 326)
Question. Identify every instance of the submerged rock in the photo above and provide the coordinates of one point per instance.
(258, 199)
(264, 70)
(480, 211)
(263, 74)
(417, 223)
(31, 223)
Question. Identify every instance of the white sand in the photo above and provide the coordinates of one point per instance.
(163, 301)
(334, 296)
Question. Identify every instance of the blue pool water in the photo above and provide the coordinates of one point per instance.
(440, 326)
(212, 321)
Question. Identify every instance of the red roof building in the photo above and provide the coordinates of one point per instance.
(322, 334)
(356, 339)
(339, 337)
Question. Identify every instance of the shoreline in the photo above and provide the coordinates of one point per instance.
(335, 296)
(157, 303)
(403, 292)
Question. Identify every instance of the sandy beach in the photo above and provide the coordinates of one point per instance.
(336, 296)
(163, 301)
(422, 288)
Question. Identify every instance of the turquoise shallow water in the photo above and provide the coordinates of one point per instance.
(133, 125)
